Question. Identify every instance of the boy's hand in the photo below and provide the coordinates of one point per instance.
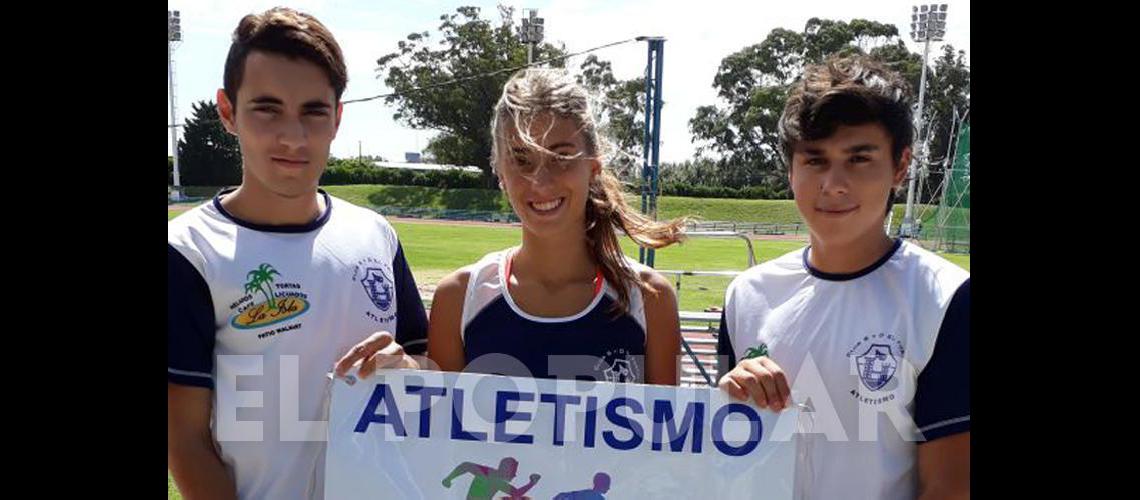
(762, 380)
(378, 351)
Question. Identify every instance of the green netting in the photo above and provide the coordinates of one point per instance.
(952, 220)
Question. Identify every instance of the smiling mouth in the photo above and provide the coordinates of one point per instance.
(546, 206)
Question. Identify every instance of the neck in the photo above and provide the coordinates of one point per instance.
(261, 206)
(850, 256)
(554, 260)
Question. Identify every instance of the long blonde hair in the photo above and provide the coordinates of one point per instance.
(531, 92)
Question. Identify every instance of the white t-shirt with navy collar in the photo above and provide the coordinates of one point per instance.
(887, 348)
(258, 308)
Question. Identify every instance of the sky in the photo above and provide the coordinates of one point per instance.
(698, 35)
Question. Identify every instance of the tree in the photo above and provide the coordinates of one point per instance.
(469, 47)
(208, 155)
(261, 280)
(620, 106)
(451, 149)
(947, 93)
(752, 84)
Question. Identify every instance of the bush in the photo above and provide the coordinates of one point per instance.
(344, 172)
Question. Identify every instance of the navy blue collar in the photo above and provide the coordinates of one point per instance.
(283, 228)
(857, 274)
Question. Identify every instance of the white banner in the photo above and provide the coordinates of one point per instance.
(427, 434)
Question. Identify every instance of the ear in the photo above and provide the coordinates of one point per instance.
(226, 111)
(902, 168)
(595, 168)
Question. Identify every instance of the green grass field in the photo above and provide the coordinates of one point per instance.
(709, 209)
(432, 253)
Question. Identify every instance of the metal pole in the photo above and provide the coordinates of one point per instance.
(641, 257)
(173, 115)
(656, 144)
(908, 217)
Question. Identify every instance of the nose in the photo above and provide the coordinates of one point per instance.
(292, 134)
(835, 181)
(543, 175)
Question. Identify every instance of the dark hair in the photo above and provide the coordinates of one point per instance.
(284, 31)
(851, 90)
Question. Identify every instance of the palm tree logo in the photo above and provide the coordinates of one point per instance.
(756, 352)
(260, 280)
(273, 309)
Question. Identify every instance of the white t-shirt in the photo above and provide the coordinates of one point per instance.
(881, 355)
(259, 314)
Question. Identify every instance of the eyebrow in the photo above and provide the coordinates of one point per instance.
(314, 104)
(861, 148)
(858, 148)
(521, 150)
(561, 145)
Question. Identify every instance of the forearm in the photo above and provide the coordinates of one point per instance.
(945, 492)
(199, 472)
